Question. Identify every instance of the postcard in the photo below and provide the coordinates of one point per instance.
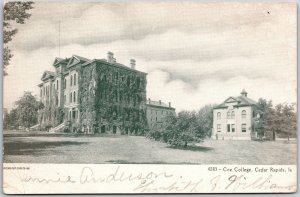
(149, 97)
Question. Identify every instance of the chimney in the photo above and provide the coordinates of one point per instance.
(244, 93)
(132, 63)
(159, 102)
(110, 57)
(169, 104)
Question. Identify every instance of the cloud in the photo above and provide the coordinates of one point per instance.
(208, 53)
(214, 91)
(87, 23)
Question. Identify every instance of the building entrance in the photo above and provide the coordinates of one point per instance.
(114, 129)
(103, 129)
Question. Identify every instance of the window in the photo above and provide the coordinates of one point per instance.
(232, 127)
(232, 115)
(74, 96)
(71, 97)
(71, 82)
(65, 83)
(54, 87)
(74, 79)
(156, 119)
(57, 84)
(218, 127)
(219, 115)
(243, 127)
(244, 114)
(74, 114)
(228, 127)
(228, 115)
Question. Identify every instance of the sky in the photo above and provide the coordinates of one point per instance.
(194, 53)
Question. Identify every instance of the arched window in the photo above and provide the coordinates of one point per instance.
(228, 115)
(219, 115)
(71, 97)
(74, 79)
(57, 84)
(232, 115)
(74, 96)
(71, 82)
(243, 114)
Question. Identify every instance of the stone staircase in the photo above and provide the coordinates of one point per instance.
(34, 127)
(57, 128)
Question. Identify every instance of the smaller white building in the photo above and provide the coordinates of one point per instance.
(232, 119)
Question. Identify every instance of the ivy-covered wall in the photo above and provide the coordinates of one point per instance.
(52, 114)
(112, 97)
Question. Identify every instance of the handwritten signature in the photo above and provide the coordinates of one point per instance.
(146, 182)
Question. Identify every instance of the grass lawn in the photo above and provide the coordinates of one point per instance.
(40, 147)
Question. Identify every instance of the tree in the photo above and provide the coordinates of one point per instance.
(286, 122)
(27, 110)
(205, 121)
(12, 119)
(14, 12)
(281, 120)
(6, 120)
(185, 128)
(264, 123)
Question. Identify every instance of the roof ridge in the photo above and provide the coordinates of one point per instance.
(80, 57)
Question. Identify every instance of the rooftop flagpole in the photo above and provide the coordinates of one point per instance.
(59, 38)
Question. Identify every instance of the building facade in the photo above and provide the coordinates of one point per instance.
(157, 111)
(94, 96)
(233, 118)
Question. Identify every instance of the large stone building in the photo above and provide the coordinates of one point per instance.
(157, 111)
(233, 118)
(94, 96)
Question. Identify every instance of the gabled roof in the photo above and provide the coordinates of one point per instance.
(47, 74)
(75, 59)
(58, 61)
(241, 101)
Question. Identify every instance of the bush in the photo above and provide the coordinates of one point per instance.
(48, 127)
(156, 135)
